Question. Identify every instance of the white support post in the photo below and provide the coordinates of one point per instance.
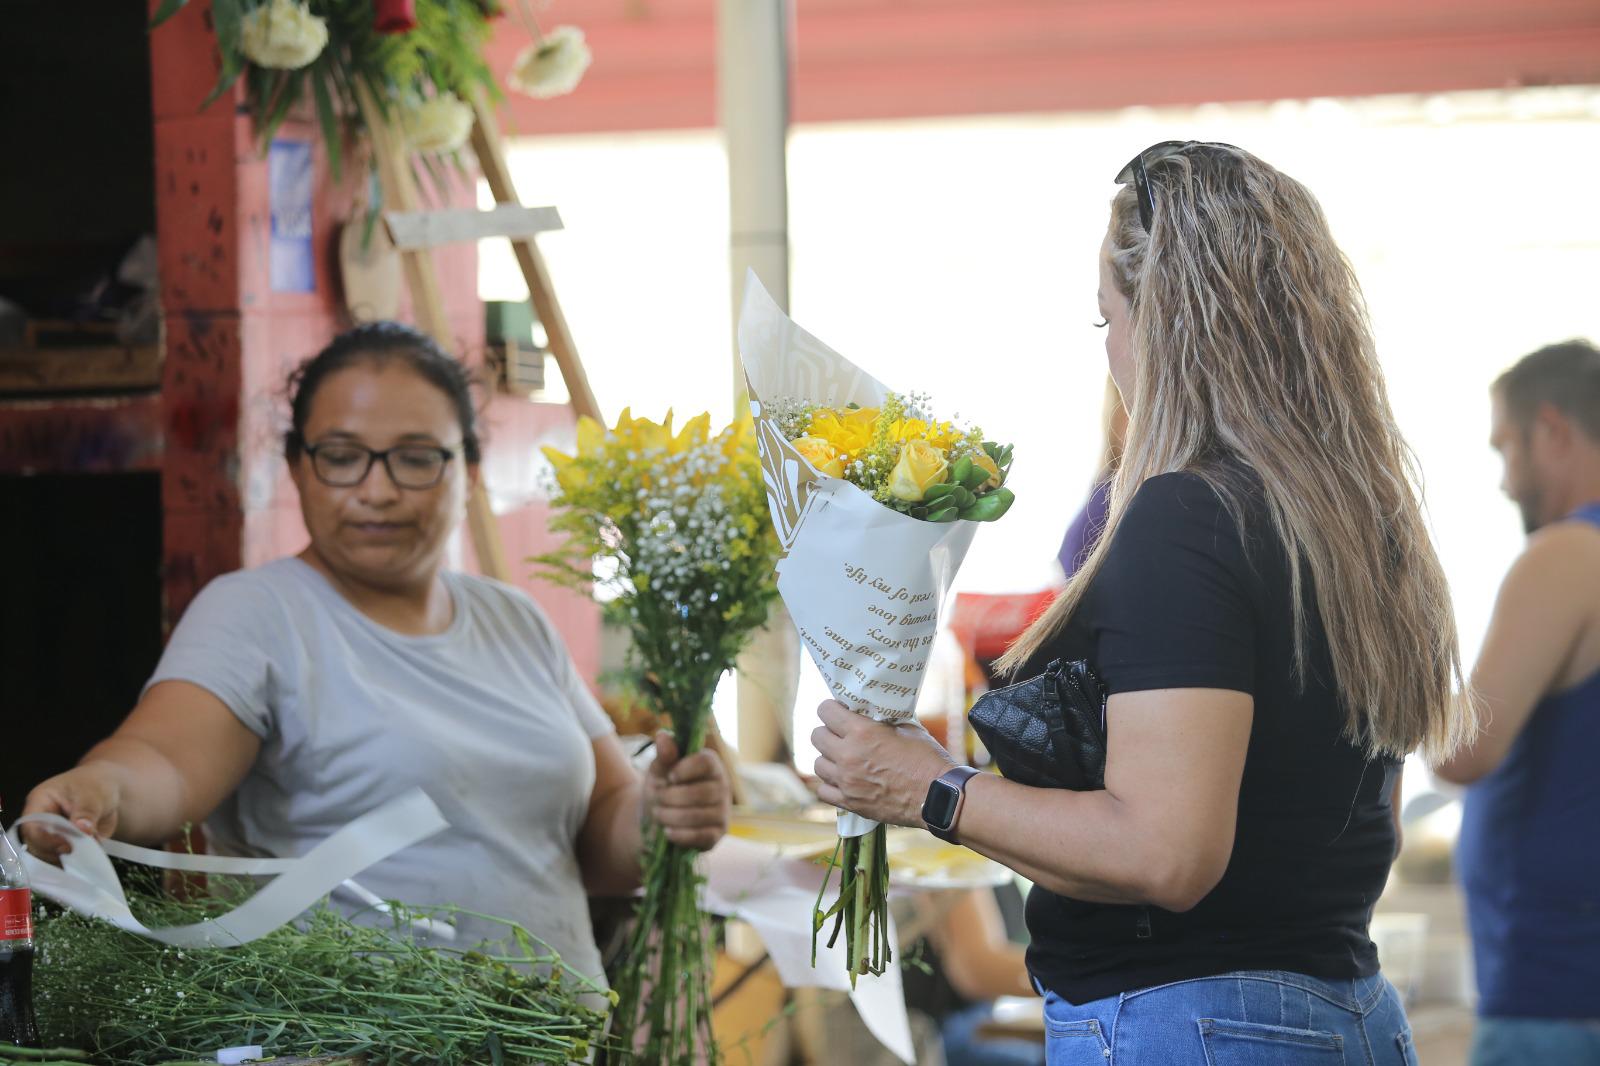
(753, 97)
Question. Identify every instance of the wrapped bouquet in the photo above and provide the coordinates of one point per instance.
(875, 500)
(675, 526)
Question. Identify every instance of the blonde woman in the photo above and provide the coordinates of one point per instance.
(1274, 631)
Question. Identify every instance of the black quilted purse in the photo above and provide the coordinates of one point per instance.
(1049, 731)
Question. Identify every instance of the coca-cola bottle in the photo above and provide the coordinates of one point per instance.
(16, 951)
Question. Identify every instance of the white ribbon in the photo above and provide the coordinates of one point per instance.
(87, 883)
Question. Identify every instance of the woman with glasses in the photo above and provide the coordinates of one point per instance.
(1274, 632)
(297, 695)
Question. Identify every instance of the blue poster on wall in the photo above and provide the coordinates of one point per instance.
(289, 170)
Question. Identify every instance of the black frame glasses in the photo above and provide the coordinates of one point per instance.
(1135, 171)
(422, 476)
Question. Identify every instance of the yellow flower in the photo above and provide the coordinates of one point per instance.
(739, 438)
(692, 435)
(591, 436)
(848, 431)
(820, 454)
(639, 434)
(982, 461)
(939, 434)
(861, 420)
(570, 475)
(920, 468)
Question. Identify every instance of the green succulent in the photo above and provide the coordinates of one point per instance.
(961, 496)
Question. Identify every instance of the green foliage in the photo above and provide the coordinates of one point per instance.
(442, 54)
(323, 986)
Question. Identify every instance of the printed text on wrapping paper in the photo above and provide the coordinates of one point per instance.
(860, 576)
(886, 649)
(839, 658)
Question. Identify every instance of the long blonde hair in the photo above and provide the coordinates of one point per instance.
(1253, 349)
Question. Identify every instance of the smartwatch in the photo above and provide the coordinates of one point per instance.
(943, 805)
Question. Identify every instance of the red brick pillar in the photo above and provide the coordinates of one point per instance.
(232, 337)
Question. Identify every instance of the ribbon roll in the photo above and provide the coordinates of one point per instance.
(87, 883)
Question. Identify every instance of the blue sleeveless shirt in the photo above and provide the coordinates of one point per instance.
(1529, 861)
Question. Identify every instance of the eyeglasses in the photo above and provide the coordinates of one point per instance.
(343, 465)
(1135, 171)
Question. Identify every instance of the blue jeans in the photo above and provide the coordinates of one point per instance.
(1248, 1018)
(1548, 1042)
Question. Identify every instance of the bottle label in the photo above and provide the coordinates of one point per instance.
(16, 914)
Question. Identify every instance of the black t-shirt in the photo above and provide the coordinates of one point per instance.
(1185, 600)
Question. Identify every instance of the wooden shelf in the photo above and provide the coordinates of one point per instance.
(96, 368)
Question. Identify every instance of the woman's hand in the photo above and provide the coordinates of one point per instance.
(877, 770)
(87, 796)
(688, 797)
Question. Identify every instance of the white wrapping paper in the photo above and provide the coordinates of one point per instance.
(87, 883)
(864, 583)
(751, 882)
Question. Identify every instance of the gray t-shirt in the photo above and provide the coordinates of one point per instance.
(489, 718)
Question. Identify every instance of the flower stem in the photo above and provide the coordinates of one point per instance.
(663, 1014)
(861, 909)
(529, 22)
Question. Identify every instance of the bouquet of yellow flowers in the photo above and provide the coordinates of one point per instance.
(675, 527)
(875, 501)
(902, 457)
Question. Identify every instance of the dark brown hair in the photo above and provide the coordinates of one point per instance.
(1566, 376)
(378, 343)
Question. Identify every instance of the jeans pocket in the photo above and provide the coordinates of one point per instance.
(1075, 1043)
(1230, 1043)
(1408, 1052)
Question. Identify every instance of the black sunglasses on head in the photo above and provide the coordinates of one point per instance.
(1135, 171)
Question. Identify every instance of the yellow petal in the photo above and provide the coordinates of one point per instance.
(983, 462)
(693, 433)
(918, 469)
(591, 435)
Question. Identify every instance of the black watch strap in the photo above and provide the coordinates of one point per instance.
(942, 807)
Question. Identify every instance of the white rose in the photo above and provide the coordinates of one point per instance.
(439, 124)
(554, 66)
(283, 35)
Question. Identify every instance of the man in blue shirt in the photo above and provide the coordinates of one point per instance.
(1529, 854)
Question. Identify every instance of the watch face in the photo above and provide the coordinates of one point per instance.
(939, 809)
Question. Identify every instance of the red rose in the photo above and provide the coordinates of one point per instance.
(395, 16)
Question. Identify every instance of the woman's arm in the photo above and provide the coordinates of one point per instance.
(178, 754)
(977, 959)
(689, 797)
(1160, 832)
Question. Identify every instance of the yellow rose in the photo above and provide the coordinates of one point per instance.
(862, 420)
(820, 454)
(848, 431)
(920, 468)
(982, 461)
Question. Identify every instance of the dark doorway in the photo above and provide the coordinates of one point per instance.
(80, 615)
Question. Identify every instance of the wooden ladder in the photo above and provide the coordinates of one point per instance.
(417, 232)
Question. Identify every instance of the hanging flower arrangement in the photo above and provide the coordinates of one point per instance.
(553, 65)
(421, 62)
